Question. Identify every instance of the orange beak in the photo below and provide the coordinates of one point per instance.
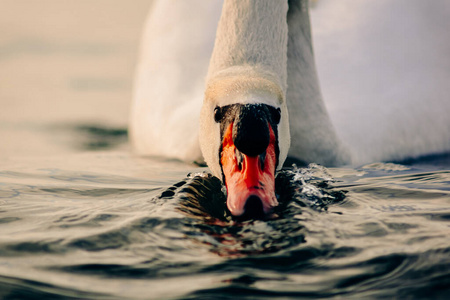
(250, 180)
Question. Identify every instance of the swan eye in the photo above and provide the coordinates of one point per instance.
(276, 115)
(217, 114)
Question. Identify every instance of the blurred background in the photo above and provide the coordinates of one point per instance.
(65, 68)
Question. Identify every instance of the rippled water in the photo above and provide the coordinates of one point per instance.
(85, 231)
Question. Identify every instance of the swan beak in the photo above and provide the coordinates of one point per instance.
(250, 180)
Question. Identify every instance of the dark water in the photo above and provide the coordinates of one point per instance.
(107, 225)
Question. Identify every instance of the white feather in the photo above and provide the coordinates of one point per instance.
(384, 70)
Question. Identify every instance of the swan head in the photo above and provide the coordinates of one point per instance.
(244, 137)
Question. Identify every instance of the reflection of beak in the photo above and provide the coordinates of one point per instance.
(250, 180)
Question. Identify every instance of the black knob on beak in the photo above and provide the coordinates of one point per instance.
(251, 133)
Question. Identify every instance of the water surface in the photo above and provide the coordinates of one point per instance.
(151, 230)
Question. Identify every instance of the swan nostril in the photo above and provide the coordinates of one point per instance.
(239, 158)
(262, 159)
(253, 208)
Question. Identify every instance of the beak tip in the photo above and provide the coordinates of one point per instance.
(252, 206)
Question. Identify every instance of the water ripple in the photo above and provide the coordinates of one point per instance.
(91, 235)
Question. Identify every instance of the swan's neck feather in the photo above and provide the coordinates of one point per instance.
(251, 40)
(313, 138)
(245, 85)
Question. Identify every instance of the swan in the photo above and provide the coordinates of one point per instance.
(235, 85)
(384, 72)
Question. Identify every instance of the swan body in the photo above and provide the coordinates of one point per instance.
(170, 78)
(208, 68)
(385, 73)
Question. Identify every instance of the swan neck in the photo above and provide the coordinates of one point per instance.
(251, 42)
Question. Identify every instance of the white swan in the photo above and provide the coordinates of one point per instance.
(385, 75)
(262, 55)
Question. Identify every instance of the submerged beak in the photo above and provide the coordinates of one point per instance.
(250, 180)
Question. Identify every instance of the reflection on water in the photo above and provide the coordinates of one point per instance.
(98, 138)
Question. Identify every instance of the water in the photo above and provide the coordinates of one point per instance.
(81, 217)
(377, 231)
